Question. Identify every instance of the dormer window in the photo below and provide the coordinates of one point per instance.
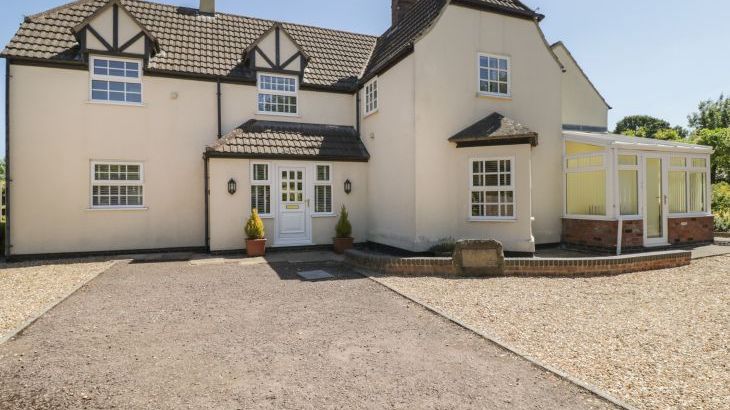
(277, 94)
(494, 75)
(116, 80)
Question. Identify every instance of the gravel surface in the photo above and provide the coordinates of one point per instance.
(26, 289)
(654, 339)
(173, 335)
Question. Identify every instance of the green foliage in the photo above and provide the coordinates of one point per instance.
(2, 169)
(719, 140)
(668, 134)
(711, 114)
(255, 226)
(722, 221)
(343, 228)
(721, 197)
(641, 126)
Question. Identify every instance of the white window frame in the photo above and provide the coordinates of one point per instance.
(330, 183)
(370, 91)
(512, 187)
(509, 76)
(639, 183)
(94, 182)
(688, 169)
(261, 91)
(99, 77)
(267, 182)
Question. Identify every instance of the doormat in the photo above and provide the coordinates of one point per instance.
(315, 275)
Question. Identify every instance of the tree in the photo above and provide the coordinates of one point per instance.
(711, 115)
(668, 134)
(641, 126)
(719, 140)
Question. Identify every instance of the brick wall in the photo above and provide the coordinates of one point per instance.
(691, 230)
(594, 234)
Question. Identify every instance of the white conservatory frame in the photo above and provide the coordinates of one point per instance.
(616, 145)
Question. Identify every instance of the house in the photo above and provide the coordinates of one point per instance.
(142, 126)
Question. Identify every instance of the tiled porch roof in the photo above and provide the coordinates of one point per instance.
(495, 129)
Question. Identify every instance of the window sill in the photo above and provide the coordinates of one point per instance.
(266, 216)
(278, 114)
(120, 104)
(118, 209)
(509, 220)
(331, 215)
(502, 97)
(371, 113)
(689, 215)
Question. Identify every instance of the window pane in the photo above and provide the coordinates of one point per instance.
(697, 190)
(627, 160)
(629, 192)
(323, 198)
(678, 162)
(572, 148)
(586, 193)
(261, 198)
(677, 192)
(323, 173)
(699, 163)
(260, 172)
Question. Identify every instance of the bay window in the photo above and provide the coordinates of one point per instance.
(492, 189)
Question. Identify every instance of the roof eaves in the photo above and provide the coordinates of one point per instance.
(478, 4)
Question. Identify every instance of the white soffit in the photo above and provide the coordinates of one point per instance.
(634, 143)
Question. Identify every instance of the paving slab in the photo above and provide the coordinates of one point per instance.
(172, 335)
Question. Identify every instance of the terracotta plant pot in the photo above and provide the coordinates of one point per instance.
(343, 244)
(255, 247)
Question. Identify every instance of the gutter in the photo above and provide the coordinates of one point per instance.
(7, 160)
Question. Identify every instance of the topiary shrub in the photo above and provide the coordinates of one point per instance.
(343, 228)
(255, 226)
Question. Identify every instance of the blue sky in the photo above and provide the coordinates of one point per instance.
(656, 57)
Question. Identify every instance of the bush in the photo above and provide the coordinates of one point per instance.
(343, 228)
(721, 197)
(722, 221)
(255, 226)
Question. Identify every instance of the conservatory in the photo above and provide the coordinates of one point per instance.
(637, 192)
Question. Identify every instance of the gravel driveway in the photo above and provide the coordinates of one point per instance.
(654, 339)
(172, 335)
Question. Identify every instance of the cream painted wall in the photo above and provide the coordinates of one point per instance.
(104, 25)
(446, 102)
(240, 105)
(389, 136)
(582, 105)
(230, 212)
(287, 49)
(56, 132)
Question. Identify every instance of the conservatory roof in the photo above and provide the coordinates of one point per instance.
(635, 143)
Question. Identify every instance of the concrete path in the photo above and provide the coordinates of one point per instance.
(176, 335)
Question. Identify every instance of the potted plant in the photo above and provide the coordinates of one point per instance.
(255, 235)
(343, 241)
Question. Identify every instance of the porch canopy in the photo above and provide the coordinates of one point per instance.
(611, 177)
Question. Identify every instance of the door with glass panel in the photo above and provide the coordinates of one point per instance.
(293, 228)
(655, 201)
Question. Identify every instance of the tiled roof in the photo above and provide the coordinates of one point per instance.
(197, 44)
(270, 139)
(495, 129)
(203, 45)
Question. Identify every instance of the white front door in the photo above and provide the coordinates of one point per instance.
(655, 201)
(293, 226)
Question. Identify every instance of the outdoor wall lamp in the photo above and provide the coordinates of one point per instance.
(232, 186)
(348, 187)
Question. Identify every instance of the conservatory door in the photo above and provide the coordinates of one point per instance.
(656, 208)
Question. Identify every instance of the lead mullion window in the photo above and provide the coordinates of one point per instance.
(492, 189)
(116, 80)
(277, 94)
(117, 185)
(323, 189)
(261, 188)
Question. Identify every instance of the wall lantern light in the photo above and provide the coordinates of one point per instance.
(232, 186)
(348, 187)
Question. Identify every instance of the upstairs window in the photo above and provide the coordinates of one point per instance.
(117, 185)
(371, 96)
(494, 75)
(277, 94)
(116, 81)
(323, 190)
(261, 189)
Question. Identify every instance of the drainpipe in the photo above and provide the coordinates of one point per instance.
(207, 204)
(218, 95)
(357, 112)
(8, 180)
